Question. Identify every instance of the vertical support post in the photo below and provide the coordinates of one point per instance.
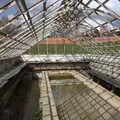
(47, 48)
(56, 46)
(64, 47)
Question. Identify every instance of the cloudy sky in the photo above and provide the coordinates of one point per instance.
(12, 11)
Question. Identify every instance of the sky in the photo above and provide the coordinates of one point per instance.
(9, 13)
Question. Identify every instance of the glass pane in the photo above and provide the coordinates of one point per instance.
(85, 1)
(93, 4)
(116, 24)
(91, 22)
(54, 6)
(30, 3)
(114, 5)
(36, 9)
(4, 2)
(51, 2)
(100, 18)
(37, 18)
(9, 14)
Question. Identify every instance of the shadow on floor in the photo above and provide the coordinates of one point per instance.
(23, 100)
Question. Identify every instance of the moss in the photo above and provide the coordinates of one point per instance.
(38, 113)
